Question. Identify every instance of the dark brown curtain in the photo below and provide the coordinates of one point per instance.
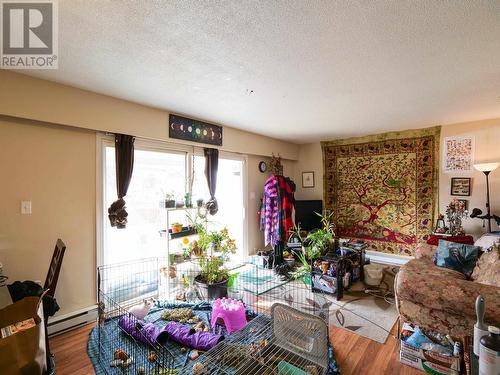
(124, 156)
(211, 168)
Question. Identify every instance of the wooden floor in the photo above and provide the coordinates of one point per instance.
(354, 354)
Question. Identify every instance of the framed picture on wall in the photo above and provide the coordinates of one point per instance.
(307, 179)
(458, 154)
(460, 186)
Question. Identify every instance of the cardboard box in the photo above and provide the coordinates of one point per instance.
(426, 356)
(426, 366)
(429, 356)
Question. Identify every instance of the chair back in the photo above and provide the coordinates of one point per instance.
(55, 268)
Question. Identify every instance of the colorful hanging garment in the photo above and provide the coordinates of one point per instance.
(276, 211)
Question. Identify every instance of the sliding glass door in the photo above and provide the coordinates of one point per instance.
(229, 194)
(158, 171)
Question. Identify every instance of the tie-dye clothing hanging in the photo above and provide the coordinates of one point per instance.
(277, 206)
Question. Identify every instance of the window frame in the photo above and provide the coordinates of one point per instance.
(107, 140)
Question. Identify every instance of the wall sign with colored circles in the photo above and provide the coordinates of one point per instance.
(194, 130)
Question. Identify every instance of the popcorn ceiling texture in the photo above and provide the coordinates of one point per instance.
(318, 69)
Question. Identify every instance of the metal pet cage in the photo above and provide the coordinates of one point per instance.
(289, 334)
(289, 342)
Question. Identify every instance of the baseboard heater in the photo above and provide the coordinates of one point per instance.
(389, 259)
(66, 322)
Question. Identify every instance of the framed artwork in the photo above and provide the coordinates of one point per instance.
(458, 154)
(193, 130)
(307, 179)
(460, 186)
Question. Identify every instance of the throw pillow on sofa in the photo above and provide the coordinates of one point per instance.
(457, 256)
(487, 269)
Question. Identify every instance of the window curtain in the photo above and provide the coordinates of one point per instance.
(124, 156)
(211, 168)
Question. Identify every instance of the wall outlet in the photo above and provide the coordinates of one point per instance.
(26, 207)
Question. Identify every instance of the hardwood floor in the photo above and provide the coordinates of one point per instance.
(355, 354)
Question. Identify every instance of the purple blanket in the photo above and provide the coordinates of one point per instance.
(150, 333)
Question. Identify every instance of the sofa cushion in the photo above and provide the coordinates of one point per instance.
(424, 250)
(456, 325)
(487, 270)
(457, 256)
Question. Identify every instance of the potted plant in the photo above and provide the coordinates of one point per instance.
(169, 200)
(188, 200)
(304, 271)
(176, 227)
(314, 245)
(321, 240)
(215, 246)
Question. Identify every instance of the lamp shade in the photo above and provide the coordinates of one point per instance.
(486, 167)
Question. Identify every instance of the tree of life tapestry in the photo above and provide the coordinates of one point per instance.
(383, 189)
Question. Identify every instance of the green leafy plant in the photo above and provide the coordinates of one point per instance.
(305, 266)
(216, 247)
(298, 233)
(320, 240)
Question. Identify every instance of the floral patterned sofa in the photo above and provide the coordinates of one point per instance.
(442, 299)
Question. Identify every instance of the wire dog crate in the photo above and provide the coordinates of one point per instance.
(288, 335)
(120, 287)
(289, 342)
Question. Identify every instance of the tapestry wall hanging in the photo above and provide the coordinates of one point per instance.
(384, 188)
(193, 130)
(458, 154)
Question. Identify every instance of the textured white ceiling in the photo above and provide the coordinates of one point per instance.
(318, 69)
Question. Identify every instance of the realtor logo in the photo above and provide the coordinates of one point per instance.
(29, 34)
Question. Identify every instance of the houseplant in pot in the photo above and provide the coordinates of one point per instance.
(169, 200)
(216, 247)
(322, 240)
(315, 244)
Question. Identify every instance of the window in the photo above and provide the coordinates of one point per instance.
(229, 194)
(161, 169)
(155, 174)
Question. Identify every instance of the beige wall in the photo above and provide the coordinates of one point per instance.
(27, 97)
(54, 168)
(487, 138)
(310, 160)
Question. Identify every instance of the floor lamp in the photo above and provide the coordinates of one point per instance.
(486, 168)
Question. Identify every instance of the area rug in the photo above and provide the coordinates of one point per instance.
(383, 188)
(366, 314)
